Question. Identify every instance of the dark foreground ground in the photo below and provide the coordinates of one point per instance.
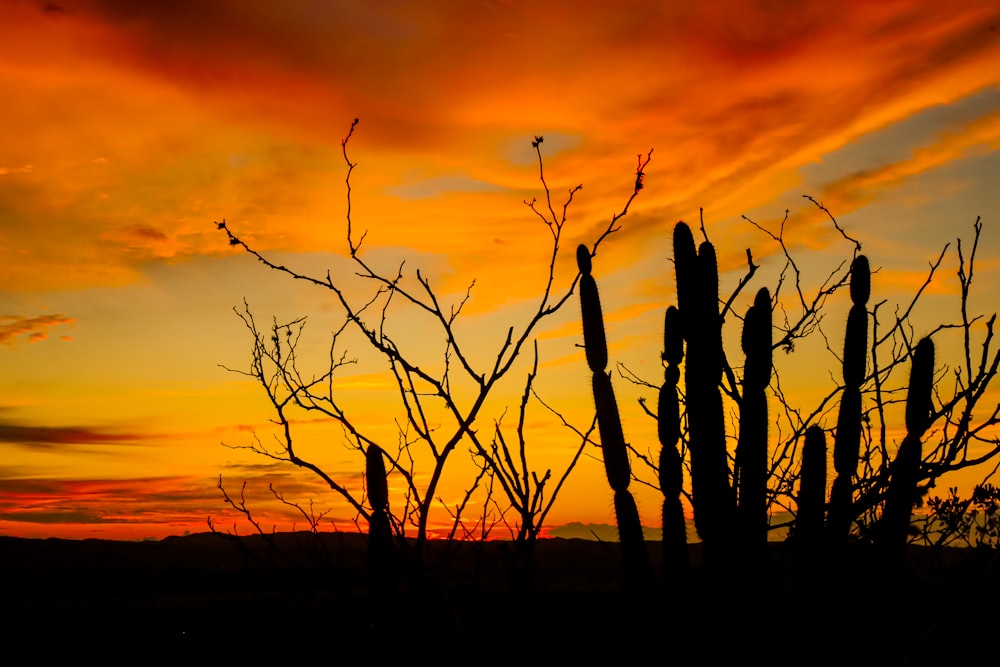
(211, 596)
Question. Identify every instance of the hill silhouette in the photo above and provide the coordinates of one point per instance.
(187, 595)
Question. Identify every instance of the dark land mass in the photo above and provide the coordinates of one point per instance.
(300, 593)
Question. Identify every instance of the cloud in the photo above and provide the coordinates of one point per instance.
(100, 501)
(24, 169)
(35, 329)
(243, 106)
(166, 505)
(863, 187)
(287, 478)
(47, 437)
(146, 241)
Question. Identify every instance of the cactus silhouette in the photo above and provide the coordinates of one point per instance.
(378, 483)
(381, 553)
(616, 463)
(751, 448)
(905, 469)
(698, 302)
(594, 342)
(812, 489)
(635, 559)
(671, 473)
(847, 439)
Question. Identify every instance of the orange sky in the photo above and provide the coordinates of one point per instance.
(129, 128)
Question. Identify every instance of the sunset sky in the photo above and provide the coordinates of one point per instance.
(129, 128)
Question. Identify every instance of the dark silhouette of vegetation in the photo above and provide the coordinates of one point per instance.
(676, 561)
(381, 551)
(435, 418)
(847, 442)
(765, 471)
(751, 449)
(811, 501)
(635, 558)
(876, 486)
(698, 302)
(966, 522)
(902, 492)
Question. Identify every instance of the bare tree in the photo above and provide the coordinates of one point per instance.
(441, 394)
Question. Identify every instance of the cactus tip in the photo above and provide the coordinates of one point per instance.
(583, 261)
(861, 280)
(919, 399)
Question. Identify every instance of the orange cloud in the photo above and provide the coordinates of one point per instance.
(36, 329)
(41, 500)
(143, 507)
(44, 437)
(167, 116)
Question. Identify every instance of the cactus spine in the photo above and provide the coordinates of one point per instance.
(675, 551)
(698, 301)
(615, 453)
(904, 471)
(751, 449)
(847, 440)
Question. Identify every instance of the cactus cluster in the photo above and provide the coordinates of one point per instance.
(720, 508)
(713, 499)
(734, 506)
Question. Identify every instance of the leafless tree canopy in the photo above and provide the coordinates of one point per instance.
(442, 394)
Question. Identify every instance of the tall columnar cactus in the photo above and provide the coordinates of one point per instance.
(905, 470)
(613, 448)
(381, 554)
(594, 342)
(698, 301)
(377, 481)
(812, 489)
(751, 448)
(615, 453)
(847, 440)
(675, 551)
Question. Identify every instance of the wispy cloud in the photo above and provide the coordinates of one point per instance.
(46, 437)
(24, 169)
(863, 187)
(33, 329)
(95, 501)
(175, 503)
